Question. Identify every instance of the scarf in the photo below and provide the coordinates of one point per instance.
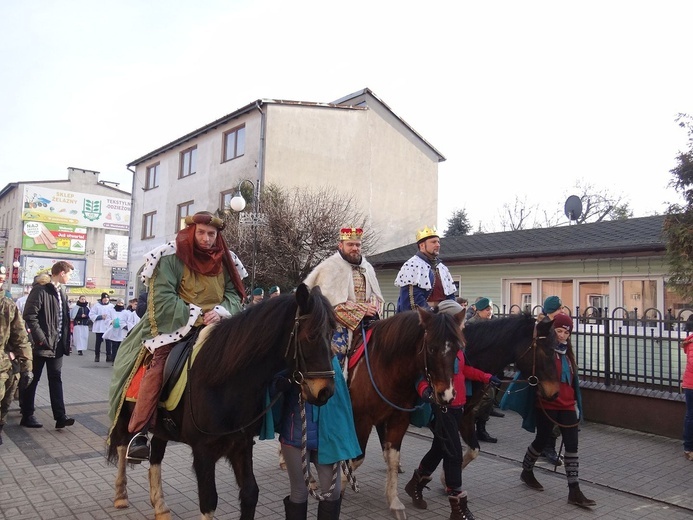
(119, 308)
(562, 349)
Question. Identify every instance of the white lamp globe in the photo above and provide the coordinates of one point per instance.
(237, 202)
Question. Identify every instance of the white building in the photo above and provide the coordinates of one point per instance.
(80, 219)
(355, 144)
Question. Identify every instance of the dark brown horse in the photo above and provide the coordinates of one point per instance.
(401, 350)
(221, 409)
(491, 345)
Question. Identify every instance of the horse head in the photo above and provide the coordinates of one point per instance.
(539, 361)
(309, 355)
(442, 341)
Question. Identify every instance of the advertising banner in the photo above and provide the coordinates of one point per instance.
(78, 209)
(119, 276)
(54, 238)
(115, 250)
(33, 265)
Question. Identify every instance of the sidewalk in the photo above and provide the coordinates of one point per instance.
(62, 474)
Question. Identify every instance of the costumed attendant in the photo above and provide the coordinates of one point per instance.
(79, 314)
(446, 445)
(192, 282)
(118, 329)
(541, 415)
(101, 315)
(424, 280)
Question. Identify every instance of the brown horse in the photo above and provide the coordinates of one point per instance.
(223, 403)
(401, 350)
(491, 345)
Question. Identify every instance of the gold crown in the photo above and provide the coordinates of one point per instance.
(425, 233)
(350, 233)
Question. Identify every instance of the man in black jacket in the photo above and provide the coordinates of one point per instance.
(47, 316)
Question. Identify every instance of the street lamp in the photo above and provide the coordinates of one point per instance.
(253, 219)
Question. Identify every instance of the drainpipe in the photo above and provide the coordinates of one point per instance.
(261, 152)
(132, 218)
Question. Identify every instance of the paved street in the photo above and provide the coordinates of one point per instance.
(53, 474)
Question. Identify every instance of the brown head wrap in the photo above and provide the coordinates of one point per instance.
(207, 262)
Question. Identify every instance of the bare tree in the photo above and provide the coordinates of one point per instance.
(601, 204)
(301, 230)
(516, 215)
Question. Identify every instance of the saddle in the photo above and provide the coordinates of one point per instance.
(175, 363)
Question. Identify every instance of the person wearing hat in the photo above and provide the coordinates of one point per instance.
(553, 306)
(541, 414)
(274, 291)
(424, 281)
(16, 357)
(192, 282)
(101, 315)
(257, 296)
(446, 445)
(348, 281)
(483, 310)
(79, 315)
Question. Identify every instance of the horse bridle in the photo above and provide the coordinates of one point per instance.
(300, 374)
(303, 375)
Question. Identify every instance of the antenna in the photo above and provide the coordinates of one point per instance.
(573, 208)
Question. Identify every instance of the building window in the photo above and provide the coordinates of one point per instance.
(593, 298)
(520, 298)
(234, 143)
(184, 210)
(188, 162)
(148, 224)
(225, 202)
(152, 178)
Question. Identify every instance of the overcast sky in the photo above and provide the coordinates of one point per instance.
(523, 98)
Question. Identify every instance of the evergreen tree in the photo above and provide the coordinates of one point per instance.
(458, 224)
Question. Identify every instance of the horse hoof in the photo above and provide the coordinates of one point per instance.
(399, 514)
(163, 516)
(121, 503)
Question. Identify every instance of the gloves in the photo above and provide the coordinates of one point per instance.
(495, 382)
(427, 394)
(282, 384)
(25, 379)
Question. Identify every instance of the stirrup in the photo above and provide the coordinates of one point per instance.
(137, 459)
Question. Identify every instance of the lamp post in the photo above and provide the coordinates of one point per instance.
(18, 269)
(253, 219)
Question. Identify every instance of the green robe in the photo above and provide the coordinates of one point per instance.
(169, 313)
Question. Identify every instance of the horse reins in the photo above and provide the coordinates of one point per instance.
(377, 390)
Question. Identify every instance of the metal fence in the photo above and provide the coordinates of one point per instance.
(626, 351)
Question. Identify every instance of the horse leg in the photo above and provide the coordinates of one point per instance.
(248, 491)
(204, 464)
(121, 483)
(394, 433)
(468, 433)
(156, 490)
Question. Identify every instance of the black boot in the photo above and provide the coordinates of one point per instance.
(414, 489)
(527, 476)
(482, 434)
(296, 511)
(458, 507)
(549, 453)
(138, 449)
(329, 510)
(576, 497)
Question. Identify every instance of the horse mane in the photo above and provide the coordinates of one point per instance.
(246, 338)
(488, 334)
(402, 333)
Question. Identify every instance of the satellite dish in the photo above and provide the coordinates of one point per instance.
(573, 207)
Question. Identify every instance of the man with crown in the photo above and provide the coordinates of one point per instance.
(348, 281)
(424, 281)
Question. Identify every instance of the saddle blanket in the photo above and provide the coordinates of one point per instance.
(358, 351)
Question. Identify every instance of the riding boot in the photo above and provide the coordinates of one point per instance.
(458, 507)
(572, 469)
(482, 434)
(414, 489)
(295, 511)
(527, 475)
(329, 510)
